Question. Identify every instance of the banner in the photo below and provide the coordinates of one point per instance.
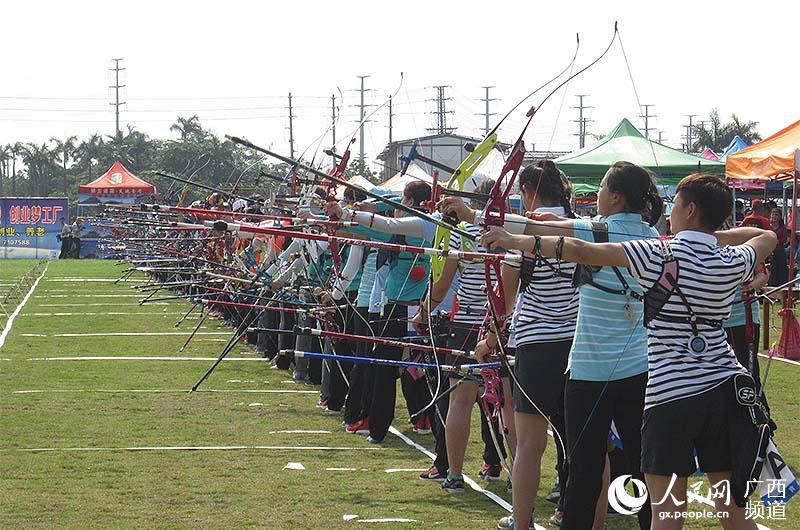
(30, 226)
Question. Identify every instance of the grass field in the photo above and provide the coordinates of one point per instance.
(73, 433)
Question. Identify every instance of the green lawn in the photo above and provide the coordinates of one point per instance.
(83, 405)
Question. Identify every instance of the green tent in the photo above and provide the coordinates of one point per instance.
(625, 142)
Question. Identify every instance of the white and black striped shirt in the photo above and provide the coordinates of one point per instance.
(472, 283)
(549, 307)
(708, 277)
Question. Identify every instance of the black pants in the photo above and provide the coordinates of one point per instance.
(340, 370)
(590, 408)
(267, 341)
(66, 245)
(384, 388)
(286, 321)
(737, 338)
(354, 404)
(359, 395)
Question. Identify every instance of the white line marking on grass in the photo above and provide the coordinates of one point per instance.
(780, 359)
(164, 391)
(300, 431)
(110, 313)
(340, 469)
(70, 279)
(109, 304)
(10, 322)
(142, 358)
(125, 334)
(388, 520)
(194, 448)
(471, 483)
(88, 295)
(403, 470)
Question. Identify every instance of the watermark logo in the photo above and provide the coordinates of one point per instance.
(621, 500)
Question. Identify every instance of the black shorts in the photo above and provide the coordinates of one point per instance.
(540, 368)
(463, 337)
(673, 431)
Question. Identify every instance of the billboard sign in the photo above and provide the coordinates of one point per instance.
(30, 226)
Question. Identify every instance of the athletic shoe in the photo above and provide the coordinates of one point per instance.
(508, 485)
(322, 403)
(299, 377)
(328, 410)
(422, 426)
(359, 427)
(433, 474)
(554, 494)
(489, 473)
(454, 485)
(557, 517)
(507, 523)
(372, 440)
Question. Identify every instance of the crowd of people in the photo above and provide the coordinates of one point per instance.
(616, 331)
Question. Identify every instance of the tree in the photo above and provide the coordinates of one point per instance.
(188, 128)
(41, 166)
(5, 158)
(359, 167)
(64, 151)
(715, 135)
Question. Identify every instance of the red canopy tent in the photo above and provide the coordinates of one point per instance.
(776, 158)
(117, 182)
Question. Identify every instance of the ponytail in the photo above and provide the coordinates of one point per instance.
(549, 183)
(637, 185)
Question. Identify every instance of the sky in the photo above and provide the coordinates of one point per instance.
(234, 63)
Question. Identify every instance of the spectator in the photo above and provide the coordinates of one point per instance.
(738, 212)
(780, 267)
(66, 239)
(759, 216)
(75, 230)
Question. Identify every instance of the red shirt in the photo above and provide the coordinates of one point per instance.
(756, 220)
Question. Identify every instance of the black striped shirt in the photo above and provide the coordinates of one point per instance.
(708, 276)
(472, 282)
(549, 308)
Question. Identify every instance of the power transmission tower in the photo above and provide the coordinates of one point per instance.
(660, 136)
(441, 111)
(333, 125)
(647, 117)
(582, 120)
(291, 127)
(361, 119)
(391, 115)
(116, 86)
(486, 114)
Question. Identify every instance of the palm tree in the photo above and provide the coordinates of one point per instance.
(16, 150)
(188, 128)
(89, 151)
(65, 150)
(40, 163)
(716, 135)
(5, 157)
(745, 130)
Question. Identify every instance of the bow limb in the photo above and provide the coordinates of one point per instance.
(463, 172)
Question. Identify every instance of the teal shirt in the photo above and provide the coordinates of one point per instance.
(319, 271)
(737, 317)
(400, 287)
(355, 283)
(610, 345)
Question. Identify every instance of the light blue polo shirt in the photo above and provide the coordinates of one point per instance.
(610, 345)
(737, 317)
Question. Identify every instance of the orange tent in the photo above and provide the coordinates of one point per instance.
(776, 158)
(773, 158)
